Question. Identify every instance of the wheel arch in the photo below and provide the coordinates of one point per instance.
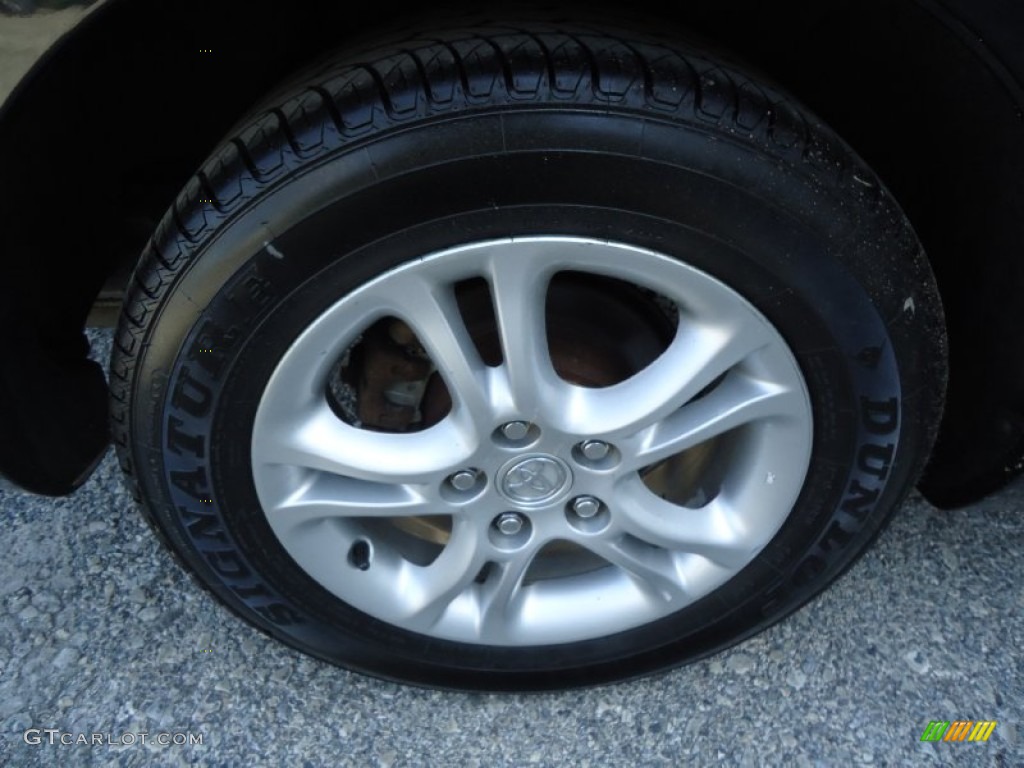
(111, 123)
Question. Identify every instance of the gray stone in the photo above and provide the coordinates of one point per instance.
(916, 661)
(149, 613)
(28, 613)
(741, 662)
(65, 658)
(796, 678)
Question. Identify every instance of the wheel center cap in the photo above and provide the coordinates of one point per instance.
(534, 479)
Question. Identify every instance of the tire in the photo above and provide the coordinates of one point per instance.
(526, 359)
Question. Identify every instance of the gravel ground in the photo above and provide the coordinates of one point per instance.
(105, 634)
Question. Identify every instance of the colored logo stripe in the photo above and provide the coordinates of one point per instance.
(958, 730)
(982, 731)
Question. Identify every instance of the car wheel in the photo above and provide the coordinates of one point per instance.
(518, 359)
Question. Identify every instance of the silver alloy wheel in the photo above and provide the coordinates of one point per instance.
(726, 370)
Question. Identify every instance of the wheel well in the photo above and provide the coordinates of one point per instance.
(111, 126)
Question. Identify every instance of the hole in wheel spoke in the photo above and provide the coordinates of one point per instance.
(485, 573)
(476, 305)
(360, 554)
(694, 477)
(648, 564)
(386, 382)
(560, 559)
(601, 331)
(418, 540)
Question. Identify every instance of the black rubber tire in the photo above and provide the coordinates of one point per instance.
(425, 144)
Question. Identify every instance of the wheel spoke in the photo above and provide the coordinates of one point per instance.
(696, 357)
(652, 569)
(519, 284)
(736, 401)
(332, 496)
(431, 310)
(426, 592)
(321, 441)
(715, 531)
(501, 593)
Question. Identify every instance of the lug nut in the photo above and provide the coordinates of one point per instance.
(509, 523)
(515, 430)
(595, 450)
(586, 506)
(463, 480)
